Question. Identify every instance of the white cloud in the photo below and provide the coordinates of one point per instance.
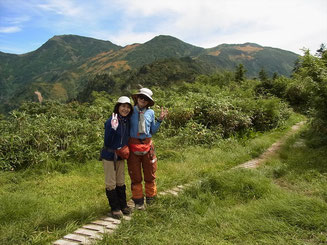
(10, 29)
(65, 8)
(16, 20)
(124, 37)
(286, 24)
(208, 23)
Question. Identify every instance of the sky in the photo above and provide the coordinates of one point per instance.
(286, 24)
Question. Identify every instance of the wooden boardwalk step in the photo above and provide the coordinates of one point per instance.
(65, 242)
(106, 224)
(99, 228)
(114, 221)
(91, 233)
(78, 238)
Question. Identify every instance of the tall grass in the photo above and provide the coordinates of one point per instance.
(283, 202)
(36, 208)
(43, 203)
(235, 207)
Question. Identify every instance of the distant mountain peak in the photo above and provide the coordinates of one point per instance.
(165, 37)
(250, 44)
(168, 39)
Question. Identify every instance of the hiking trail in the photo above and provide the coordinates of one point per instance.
(89, 233)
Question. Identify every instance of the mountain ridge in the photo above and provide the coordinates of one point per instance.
(68, 61)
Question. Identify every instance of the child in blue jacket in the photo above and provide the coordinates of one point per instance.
(117, 131)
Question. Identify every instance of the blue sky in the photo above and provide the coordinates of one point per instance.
(287, 24)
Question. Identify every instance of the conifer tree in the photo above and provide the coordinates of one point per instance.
(240, 73)
(263, 75)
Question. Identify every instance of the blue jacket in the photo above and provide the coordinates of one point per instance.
(114, 139)
(151, 125)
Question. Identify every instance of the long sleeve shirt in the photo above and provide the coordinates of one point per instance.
(114, 139)
(151, 125)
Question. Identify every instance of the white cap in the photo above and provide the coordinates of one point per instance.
(123, 100)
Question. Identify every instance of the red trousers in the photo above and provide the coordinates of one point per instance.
(148, 165)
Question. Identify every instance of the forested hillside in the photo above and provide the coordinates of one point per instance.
(61, 68)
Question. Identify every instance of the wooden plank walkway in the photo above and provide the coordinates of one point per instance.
(89, 233)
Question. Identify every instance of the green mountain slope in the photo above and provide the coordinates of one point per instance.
(54, 62)
(161, 47)
(167, 72)
(61, 66)
(253, 56)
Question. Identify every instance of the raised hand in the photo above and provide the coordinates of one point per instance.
(114, 121)
(163, 114)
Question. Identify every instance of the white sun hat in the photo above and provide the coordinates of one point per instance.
(144, 91)
(123, 100)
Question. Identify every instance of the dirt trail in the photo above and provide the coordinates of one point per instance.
(254, 163)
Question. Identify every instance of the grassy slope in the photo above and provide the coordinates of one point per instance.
(243, 206)
(71, 197)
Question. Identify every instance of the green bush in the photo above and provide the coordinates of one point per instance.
(196, 133)
(269, 113)
(204, 111)
(37, 133)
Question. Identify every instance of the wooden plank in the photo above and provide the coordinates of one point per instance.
(78, 238)
(115, 221)
(127, 217)
(176, 189)
(107, 224)
(99, 228)
(65, 242)
(172, 192)
(91, 233)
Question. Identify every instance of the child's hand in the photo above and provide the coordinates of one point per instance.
(163, 114)
(114, 121)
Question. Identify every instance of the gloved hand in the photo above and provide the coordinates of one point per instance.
(114, 121)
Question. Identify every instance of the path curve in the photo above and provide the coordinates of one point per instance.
(255, 162)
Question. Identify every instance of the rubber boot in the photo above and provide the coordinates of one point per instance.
(114, 204)
(121, 193)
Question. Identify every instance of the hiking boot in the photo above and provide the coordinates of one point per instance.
(150, 200)
(117, 214)
(127, 210)
(139, 206)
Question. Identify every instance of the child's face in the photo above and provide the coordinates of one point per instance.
(124, 109)
(142, 101)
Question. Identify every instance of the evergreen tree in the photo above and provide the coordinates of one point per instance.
(263, 75)
(275, 76)
(240, 73)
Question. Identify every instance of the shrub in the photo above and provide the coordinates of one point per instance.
(269, 113)
(36, 133)
(197, 134)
